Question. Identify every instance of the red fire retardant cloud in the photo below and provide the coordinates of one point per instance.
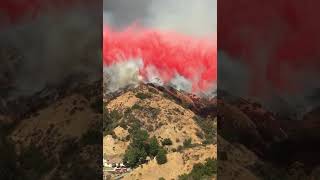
(169, 52)
(277, 39)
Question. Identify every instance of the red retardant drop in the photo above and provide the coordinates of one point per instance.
(170, 53)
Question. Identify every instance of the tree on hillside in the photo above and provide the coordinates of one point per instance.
(134, 156)
(153, 146)
(139, 139)
(136, 153)
(142, 146)
(161, 156)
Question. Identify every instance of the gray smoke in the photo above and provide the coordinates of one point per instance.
(193, 17)
(55, 46)
(186, 16)
(234, 77)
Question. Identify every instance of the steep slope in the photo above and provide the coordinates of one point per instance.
(58, 135)
(164, 113)
(178, 163)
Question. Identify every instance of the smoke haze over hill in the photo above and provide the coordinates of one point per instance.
(175, 40)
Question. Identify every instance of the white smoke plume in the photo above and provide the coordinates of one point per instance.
(126, 74)
(122, 74)
(153, 75)
(181, 83)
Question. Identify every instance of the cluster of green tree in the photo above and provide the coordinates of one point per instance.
(110, 120)
(114, 118)
(202, 171)
(187, 143)
(141, 147)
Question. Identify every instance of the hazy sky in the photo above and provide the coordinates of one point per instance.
(191, 16)
(125, 12)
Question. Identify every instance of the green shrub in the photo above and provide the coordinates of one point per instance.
(161, 156)
(152, 112)
(167, 142)
(110, 120)
(187, 143)
(209, 128)
(142, 96)
(123, 124)
(202, 171)
(134, 126)
(116, 115)
(153, 146)
(136, 106)
(174, 150)
(148, 111)
(139, 139)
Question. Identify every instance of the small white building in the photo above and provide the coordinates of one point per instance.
(106, 164)
(115, 167)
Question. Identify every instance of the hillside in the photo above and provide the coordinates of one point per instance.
(255, 143)
(52, 134)
(164, 113)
